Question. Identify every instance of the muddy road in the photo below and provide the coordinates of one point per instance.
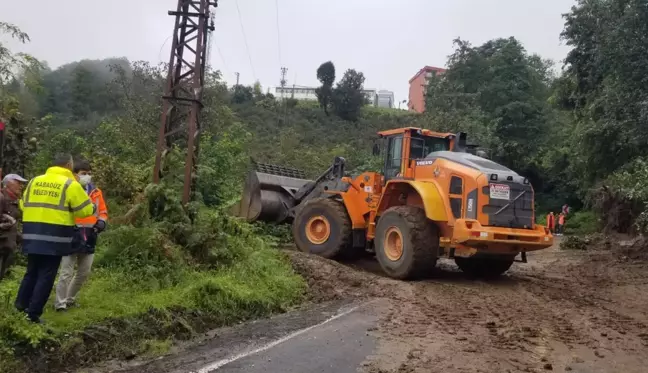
(578, 311)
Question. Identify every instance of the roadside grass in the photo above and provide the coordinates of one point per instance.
(145, 292)
(155, 347)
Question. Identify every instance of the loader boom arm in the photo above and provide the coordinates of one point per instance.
(272, 193)
(334, 173)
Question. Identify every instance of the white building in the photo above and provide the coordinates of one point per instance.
(370, 94)
(308, 93)
(385, 99)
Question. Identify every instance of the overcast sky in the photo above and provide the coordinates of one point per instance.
(388, 40)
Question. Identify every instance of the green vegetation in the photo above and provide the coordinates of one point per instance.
(582, 223)
(161, 272)
(326, 75)
(579, 137)
(347, 98)
(168, 277)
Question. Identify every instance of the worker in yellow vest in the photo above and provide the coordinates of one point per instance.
(50, 204)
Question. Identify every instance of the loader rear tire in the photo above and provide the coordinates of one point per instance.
(322, 227)
(484, 267)
(406, 243)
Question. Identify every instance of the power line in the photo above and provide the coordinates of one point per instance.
(278, 33)
(222, 59)
(247, 48)
(162, 47)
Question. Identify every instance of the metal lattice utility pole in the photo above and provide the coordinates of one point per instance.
(182, 99)
(282, 82)
(236, 87)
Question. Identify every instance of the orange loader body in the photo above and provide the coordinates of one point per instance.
(433, 199)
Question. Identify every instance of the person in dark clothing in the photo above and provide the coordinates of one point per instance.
(50, 204)
(10, 214)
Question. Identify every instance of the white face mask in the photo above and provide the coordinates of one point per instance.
(85, 179)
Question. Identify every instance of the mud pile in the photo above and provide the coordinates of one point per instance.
(329, 280)
(590, 242)
(617, 247)
(635, 249)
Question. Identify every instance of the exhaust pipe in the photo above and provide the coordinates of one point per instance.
(269, 193)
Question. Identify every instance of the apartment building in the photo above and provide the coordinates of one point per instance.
(418, 86)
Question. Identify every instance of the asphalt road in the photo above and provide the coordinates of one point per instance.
(338, 346)
(326, 338)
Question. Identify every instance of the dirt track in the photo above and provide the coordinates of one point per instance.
(579, 311)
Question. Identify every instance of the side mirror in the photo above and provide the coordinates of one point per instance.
(376, 149)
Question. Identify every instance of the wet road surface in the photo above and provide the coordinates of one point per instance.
(338, 346)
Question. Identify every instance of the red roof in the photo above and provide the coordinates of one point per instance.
(427, 69)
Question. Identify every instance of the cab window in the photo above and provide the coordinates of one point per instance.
(422, 146)
(394, 157)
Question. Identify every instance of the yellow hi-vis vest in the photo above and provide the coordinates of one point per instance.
(50, 204)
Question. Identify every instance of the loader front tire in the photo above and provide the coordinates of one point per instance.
(322, 227)
(484, 267)
(406, 243)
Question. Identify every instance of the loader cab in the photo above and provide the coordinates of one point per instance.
(404, 145)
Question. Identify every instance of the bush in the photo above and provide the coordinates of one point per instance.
(622, 198)
(281, 233)
(574, 243)
(581, 223)
(219, 240)
(146, 254)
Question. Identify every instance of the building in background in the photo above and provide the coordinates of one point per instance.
(418, 86)
(385, 99)
(308, 93)
(297, 92)
(371, 95)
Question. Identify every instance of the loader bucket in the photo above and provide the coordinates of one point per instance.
(268, 193)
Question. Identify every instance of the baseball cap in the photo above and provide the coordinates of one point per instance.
(16, 177)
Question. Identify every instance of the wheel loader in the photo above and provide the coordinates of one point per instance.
(434, 198)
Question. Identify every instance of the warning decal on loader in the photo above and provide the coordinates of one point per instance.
(500, 191)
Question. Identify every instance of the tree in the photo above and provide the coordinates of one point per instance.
(348, 95)
(81, 92)
(326, 75)
(606, 83)
(257, 90)
(242, 94)
(9, 61)
(18, 73)
(502, 86)
(20, 142)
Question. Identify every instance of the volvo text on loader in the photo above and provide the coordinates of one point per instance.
(433, 199)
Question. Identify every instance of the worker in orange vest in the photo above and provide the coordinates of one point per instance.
(84, 243)
(561, 224)
(551, 222)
